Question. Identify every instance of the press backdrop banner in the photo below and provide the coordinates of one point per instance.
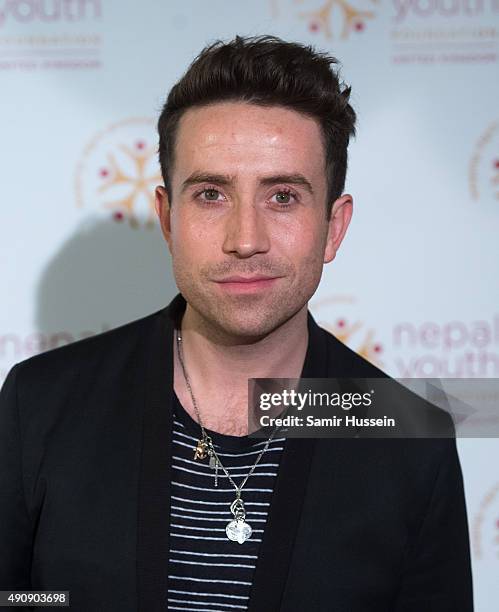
(414, 288)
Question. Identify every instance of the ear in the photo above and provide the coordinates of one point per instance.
(162, 206)
(341, 213)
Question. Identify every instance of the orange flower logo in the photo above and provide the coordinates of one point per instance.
(483, 172)
(118, 172)
(334, 18)
(354, 334)
(485, 526)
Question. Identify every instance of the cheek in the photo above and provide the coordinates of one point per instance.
(188, 237)
(303, 240)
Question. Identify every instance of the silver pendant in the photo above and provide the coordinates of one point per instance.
(238, 530)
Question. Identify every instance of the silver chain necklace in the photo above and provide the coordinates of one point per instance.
(237, 530)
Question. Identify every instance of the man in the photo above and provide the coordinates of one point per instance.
(127, 474)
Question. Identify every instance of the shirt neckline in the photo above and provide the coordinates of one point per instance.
(224, 441)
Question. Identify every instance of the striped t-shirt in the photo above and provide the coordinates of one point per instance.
(207, 571)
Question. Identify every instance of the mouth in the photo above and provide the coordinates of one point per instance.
(246, 284)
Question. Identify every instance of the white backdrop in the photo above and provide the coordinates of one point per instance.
(415, 286)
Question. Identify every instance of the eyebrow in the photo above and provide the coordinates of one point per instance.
(224, 179)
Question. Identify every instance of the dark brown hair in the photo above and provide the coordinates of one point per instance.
(266, 71)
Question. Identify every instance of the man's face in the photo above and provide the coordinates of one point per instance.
(247, 227)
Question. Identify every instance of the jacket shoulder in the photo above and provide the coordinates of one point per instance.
(415, 415)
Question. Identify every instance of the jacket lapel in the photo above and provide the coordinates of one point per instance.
(285, 509)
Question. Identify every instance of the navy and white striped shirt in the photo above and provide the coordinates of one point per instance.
(208, 572)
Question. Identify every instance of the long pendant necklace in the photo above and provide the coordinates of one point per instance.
(237, 530)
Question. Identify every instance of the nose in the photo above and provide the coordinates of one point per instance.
(245, 232)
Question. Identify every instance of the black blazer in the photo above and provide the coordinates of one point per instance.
(355, 525)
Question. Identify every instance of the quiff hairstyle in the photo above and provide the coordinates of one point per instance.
(266, 71)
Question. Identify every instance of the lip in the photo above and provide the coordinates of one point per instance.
(246, 284)
(245, 279)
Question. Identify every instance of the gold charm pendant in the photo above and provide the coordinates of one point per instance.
(201, 450)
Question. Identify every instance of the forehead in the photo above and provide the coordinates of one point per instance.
(246, 139)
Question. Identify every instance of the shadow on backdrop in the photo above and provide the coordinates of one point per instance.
(103, 276)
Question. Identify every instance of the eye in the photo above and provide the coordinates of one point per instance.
(210, 194)
(284, 198)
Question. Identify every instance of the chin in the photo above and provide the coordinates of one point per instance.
(245, 318)
(248, 324)
(245, 331)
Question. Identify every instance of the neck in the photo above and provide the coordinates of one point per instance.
(219, 370)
